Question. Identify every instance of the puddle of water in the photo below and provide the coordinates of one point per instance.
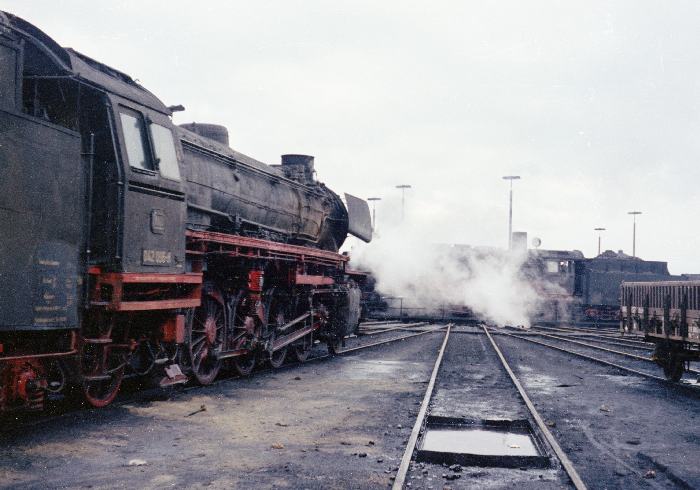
(482, 442)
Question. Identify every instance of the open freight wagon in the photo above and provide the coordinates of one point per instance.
(666, 313)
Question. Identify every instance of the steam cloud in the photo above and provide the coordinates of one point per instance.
(433, 276)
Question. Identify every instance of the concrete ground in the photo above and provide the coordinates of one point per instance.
(620, 430)
(344, 422)
(336, 423)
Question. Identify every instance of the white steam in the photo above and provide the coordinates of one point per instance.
(431, 276)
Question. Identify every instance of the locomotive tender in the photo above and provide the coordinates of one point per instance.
(131, 246)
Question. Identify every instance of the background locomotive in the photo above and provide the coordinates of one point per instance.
(129, 245)
(580, 289)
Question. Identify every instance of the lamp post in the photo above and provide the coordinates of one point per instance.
(403, 188)
(634, 231)
(510, 178)
(374, 200)
(599, 230)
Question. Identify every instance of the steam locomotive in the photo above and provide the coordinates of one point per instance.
(131, 246)
(586, 290)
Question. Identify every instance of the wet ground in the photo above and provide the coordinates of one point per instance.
(620, 430)
(344, 422)
(336, 423)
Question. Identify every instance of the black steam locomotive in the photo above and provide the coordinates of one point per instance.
(131, 246)
(579, 289)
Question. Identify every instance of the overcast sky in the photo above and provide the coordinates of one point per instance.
(596, 105)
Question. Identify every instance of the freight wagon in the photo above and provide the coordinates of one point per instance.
(666, 313)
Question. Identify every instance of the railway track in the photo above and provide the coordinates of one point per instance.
(587, 343)
(563, 457)
(604, 349)
(626, 345)
(609, 328)
(420, 419)
(597, 340)
(420, 422)
(364, 331)
(691, 388)
(616, 337)
(577, 330)
(590, 408)
(29, 421)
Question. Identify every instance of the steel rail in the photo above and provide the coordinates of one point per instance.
(607, 363)
(563, 458)
(600, 340)
(380, 323)
(630, 344)
(388, 341)
(579, 329)
(411, 445)
(578, 342)
(617, 337)
(605, 349)
(607, 331)
(402, 326)
(611, 336)
(611, 328)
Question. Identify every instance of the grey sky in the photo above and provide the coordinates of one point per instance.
(595, 104)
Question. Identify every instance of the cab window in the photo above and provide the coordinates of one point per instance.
(164, 150)
(134, 130)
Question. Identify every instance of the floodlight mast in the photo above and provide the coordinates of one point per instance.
(510, 178)
(634, 231)
(599, 230)
(403, 188)
(374, 200)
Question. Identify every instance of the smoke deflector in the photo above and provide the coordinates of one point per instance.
(359, 218)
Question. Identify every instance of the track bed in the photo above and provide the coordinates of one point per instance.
(616, 426)
(305, 427)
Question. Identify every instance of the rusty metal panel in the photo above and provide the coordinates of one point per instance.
(313, 280)
(41, 224)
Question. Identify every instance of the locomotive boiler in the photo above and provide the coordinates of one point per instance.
(130, 246)
(243, 196)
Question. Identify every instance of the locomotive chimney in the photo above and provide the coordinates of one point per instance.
(298, 167)
(519, 241)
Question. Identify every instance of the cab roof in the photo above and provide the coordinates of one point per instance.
(84, 68)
